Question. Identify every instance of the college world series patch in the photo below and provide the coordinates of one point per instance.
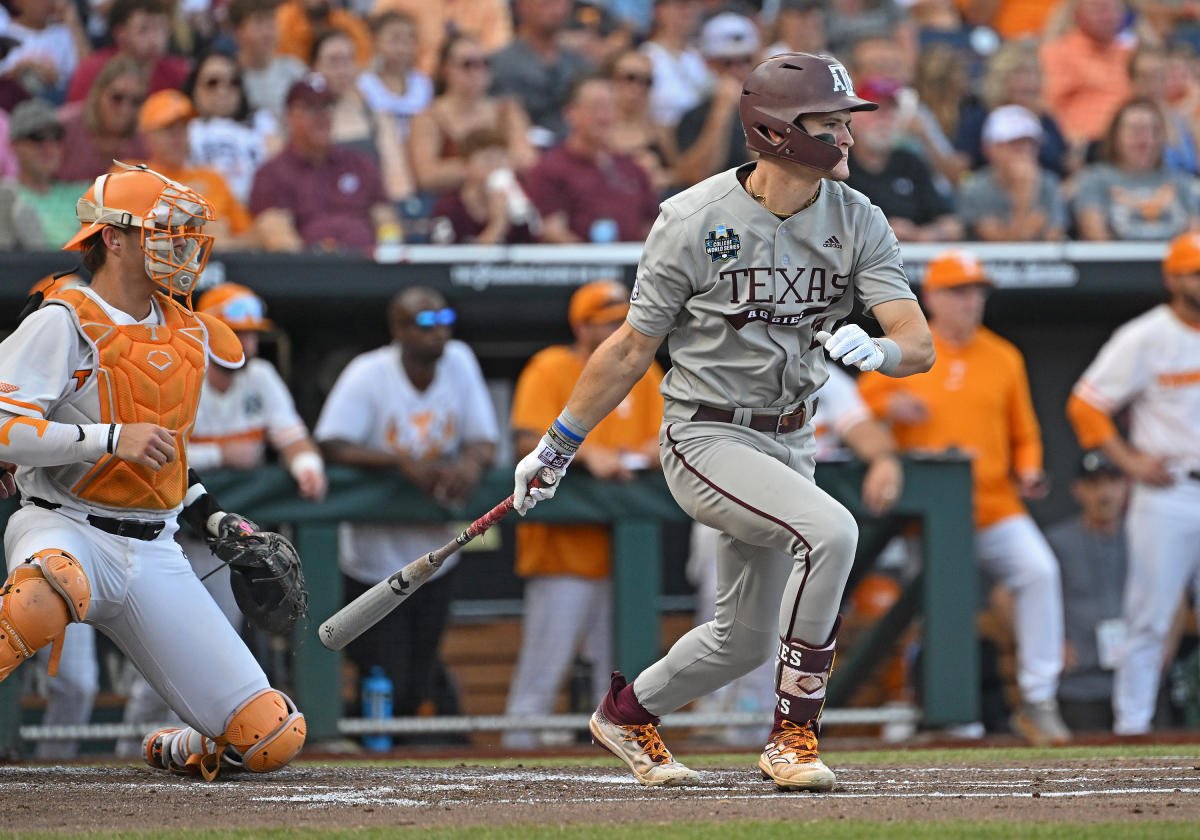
(722, 244)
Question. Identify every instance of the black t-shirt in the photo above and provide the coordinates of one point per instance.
(903, 189)
(692, 123)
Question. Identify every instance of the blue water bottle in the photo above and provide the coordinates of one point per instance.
(377, 705)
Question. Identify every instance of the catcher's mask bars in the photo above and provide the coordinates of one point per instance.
(168, 214)
(780, 90)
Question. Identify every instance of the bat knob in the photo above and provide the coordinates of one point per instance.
(547, 477)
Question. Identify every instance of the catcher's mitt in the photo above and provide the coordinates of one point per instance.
(265, 572)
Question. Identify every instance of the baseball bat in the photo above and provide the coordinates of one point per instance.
(354, 619)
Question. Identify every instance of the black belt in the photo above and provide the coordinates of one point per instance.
(771, 422)
(138, 529)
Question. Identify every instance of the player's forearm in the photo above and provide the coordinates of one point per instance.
(611, 373)
(34, 442)
(916, 347)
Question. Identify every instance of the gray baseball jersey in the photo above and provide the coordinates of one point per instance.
(740, 292)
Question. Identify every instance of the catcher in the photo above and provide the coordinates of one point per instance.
(98, 393)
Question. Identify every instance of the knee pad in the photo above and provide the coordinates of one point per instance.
(40, 598)
(266, 731)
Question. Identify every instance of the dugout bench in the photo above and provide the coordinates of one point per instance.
(937, 493)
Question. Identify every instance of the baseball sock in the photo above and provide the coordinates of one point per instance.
(621, 705)
(804, 671)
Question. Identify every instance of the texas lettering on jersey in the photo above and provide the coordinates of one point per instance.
(802, 285)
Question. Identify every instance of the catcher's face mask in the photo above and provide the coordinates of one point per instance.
(169, 216)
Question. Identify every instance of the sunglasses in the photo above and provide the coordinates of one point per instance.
(636, 79)
(472, 63)
(245, 308)
(735, 61)
(429, 318)
(50, 135)
(219, 81)
(118, 98)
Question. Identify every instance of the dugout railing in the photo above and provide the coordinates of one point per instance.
(937, 495)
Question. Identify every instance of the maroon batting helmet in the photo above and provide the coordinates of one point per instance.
(781, 89)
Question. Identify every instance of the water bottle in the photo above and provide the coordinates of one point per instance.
(377, 705)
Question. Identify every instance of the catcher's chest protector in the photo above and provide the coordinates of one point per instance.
(145, 374)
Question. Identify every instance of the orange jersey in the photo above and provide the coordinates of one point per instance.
(979, 402)
(542, 390)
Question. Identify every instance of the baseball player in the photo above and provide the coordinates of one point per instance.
(98, 392)
(743, 271)
(976, 399)
(240, 411)
(1152, 366)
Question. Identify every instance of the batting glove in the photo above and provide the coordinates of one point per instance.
(546, 455)
(851, 346)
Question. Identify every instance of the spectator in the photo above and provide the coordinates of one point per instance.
(568, 568)
(1090, 549)
(849, 21)
(314, 194)
(12, 93)
(52, 43)
(163, 122)
(582, 188)
(1013, 20)
(239, 413)
(37, 211)
(636, 132)
(462, 107)
(710, 136)
(976, 399)
(681, 77)
(1014, 77)
(898, 181)
(943, 91)
(1013, 199)
(266, 73)
(417, 407)
(1129, 194)
(487, 22)
(355, 126)
(300, 21)
(880, 55)
(1085, 70)
(140, 31)
(1148, 75)
(535, 70)
(490, 207)
(799, 27)
(105, 128)
(394, 89)
(225, 134)
(595, 33)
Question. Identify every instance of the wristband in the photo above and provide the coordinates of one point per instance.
(112, 438)
(891, 356)
(564, 438)
(307, 461)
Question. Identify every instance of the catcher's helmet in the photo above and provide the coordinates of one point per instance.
(168, 215)
(786, 86)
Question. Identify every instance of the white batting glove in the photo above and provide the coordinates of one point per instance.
(541, 463)
(852, 347)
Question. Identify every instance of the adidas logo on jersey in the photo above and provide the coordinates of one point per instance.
(832, 242)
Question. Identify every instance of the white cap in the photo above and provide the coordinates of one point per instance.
(1011, 122)
(728, 35)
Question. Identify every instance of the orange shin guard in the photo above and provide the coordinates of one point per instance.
(267, 731)
(40, 598)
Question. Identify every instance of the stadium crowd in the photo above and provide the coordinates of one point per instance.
(349, 125)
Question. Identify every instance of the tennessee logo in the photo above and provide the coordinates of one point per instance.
(722, 244)
(5, 388)
(80, 377)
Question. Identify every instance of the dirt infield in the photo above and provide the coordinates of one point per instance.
(91, 798)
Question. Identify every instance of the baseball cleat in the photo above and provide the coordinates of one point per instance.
(643, 750)
(792, 761)
(1041, 724)
(182, 751)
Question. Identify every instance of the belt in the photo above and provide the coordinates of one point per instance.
(771, 422)
(138, 529)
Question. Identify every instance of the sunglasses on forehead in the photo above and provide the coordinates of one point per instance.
(428, 318)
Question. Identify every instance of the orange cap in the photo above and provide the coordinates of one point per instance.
(164, 108)
(598, 302)
(236, 305)
(1183, 254)
(955, 268)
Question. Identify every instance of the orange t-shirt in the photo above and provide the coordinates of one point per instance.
(1085, 83)
(542, 390)
(487, 21)
(296, 33)
(1018, 18)
(979, 402)
(211, 184)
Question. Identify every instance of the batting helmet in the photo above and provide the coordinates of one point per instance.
(168, 216)
(783, 88)
(236, 305)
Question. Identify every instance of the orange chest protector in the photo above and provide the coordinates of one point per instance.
(144, 374)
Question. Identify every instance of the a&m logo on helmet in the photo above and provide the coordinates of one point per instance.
(841, 80)
(722, 244)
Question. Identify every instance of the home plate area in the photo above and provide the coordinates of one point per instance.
(111, 797)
